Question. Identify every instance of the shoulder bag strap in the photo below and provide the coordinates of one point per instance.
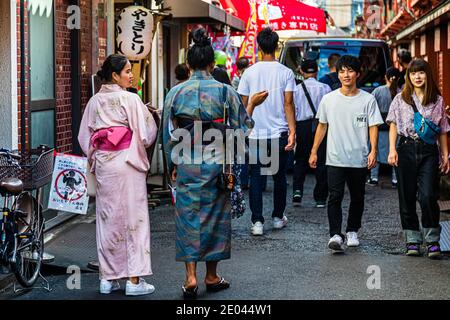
(413, 104)
(311, 104)
(225, 120)
(224, 101)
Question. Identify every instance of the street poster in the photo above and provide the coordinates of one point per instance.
(69, 184)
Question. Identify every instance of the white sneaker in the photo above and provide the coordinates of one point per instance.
(336, 244)
(106, 286)
(257, 229)
(352, 239)
(138, 289)
(279, 223)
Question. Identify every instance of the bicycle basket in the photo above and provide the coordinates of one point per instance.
(35, 168)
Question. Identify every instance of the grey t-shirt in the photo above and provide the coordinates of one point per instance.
(348, 119)
(383, 96)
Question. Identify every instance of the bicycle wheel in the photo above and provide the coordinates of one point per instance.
(26, 263)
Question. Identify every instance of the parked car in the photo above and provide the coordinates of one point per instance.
(373, 54)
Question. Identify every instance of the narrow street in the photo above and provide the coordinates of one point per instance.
(293, 263)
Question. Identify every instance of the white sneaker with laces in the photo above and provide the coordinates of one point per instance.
(257, 228)
(107, 286)
(352, 239)
(336, 244)
(138, 289)
(280, 223)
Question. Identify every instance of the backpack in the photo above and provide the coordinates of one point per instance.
(335, 83)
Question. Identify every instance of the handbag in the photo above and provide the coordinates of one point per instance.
(237, 198)
(91, 181)
(426, 129)
(315, 121)
(227, 181)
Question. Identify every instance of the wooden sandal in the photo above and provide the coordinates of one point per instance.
(215, 287)
(189, 293)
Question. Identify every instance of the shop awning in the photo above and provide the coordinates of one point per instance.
(238, 8)
(400, 21)
(418, 3)
(432, 18)
(203, 11)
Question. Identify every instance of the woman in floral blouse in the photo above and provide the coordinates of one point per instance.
(417, 162)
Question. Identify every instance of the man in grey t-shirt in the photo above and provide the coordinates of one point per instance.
(351, 117)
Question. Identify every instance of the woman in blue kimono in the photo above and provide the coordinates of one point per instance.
(203, 220)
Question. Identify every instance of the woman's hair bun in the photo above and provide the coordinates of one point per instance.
(101, 74)
(200, 38)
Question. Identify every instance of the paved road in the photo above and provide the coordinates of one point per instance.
(293, 263)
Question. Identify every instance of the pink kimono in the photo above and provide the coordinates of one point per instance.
(123, 226)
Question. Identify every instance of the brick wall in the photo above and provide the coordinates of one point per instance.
(63, 81)
(86, 50)
(63, 95)
(64, 137)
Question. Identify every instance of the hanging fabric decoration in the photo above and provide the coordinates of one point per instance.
(42, 6)
(134, 32)
(249, 48)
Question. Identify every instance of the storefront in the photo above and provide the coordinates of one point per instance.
(54, 47)
(423, 28)
(186, 15)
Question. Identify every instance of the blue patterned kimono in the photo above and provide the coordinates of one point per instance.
(203, 220)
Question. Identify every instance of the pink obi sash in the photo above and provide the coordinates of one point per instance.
(112, 139)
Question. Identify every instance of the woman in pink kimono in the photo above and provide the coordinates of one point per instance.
(115, 130)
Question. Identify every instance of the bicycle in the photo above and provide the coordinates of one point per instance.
(21, 220)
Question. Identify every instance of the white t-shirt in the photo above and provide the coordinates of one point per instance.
(348, 119)
(316, 91)
(270, 119)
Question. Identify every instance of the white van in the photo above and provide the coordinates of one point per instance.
(373, 54)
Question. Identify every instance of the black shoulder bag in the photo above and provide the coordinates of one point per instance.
(311, 105)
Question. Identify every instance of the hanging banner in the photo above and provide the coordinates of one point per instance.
(291, 15)
(69, 184)
(134, 32)
(249, 47)
(279, 14)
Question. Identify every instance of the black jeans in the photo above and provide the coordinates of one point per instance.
(418, 175)
(280, 183)
(356, 181)
(305, 140)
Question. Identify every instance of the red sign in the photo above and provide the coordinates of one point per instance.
(291, 15)
(281, 14)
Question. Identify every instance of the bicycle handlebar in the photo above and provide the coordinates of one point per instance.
(7, 153)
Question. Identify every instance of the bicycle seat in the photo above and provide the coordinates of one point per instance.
(11, 186)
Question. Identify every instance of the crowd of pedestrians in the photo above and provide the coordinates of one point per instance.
(332, 126)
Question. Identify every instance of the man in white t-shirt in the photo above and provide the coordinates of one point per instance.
(351, 117)
(274, 125)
